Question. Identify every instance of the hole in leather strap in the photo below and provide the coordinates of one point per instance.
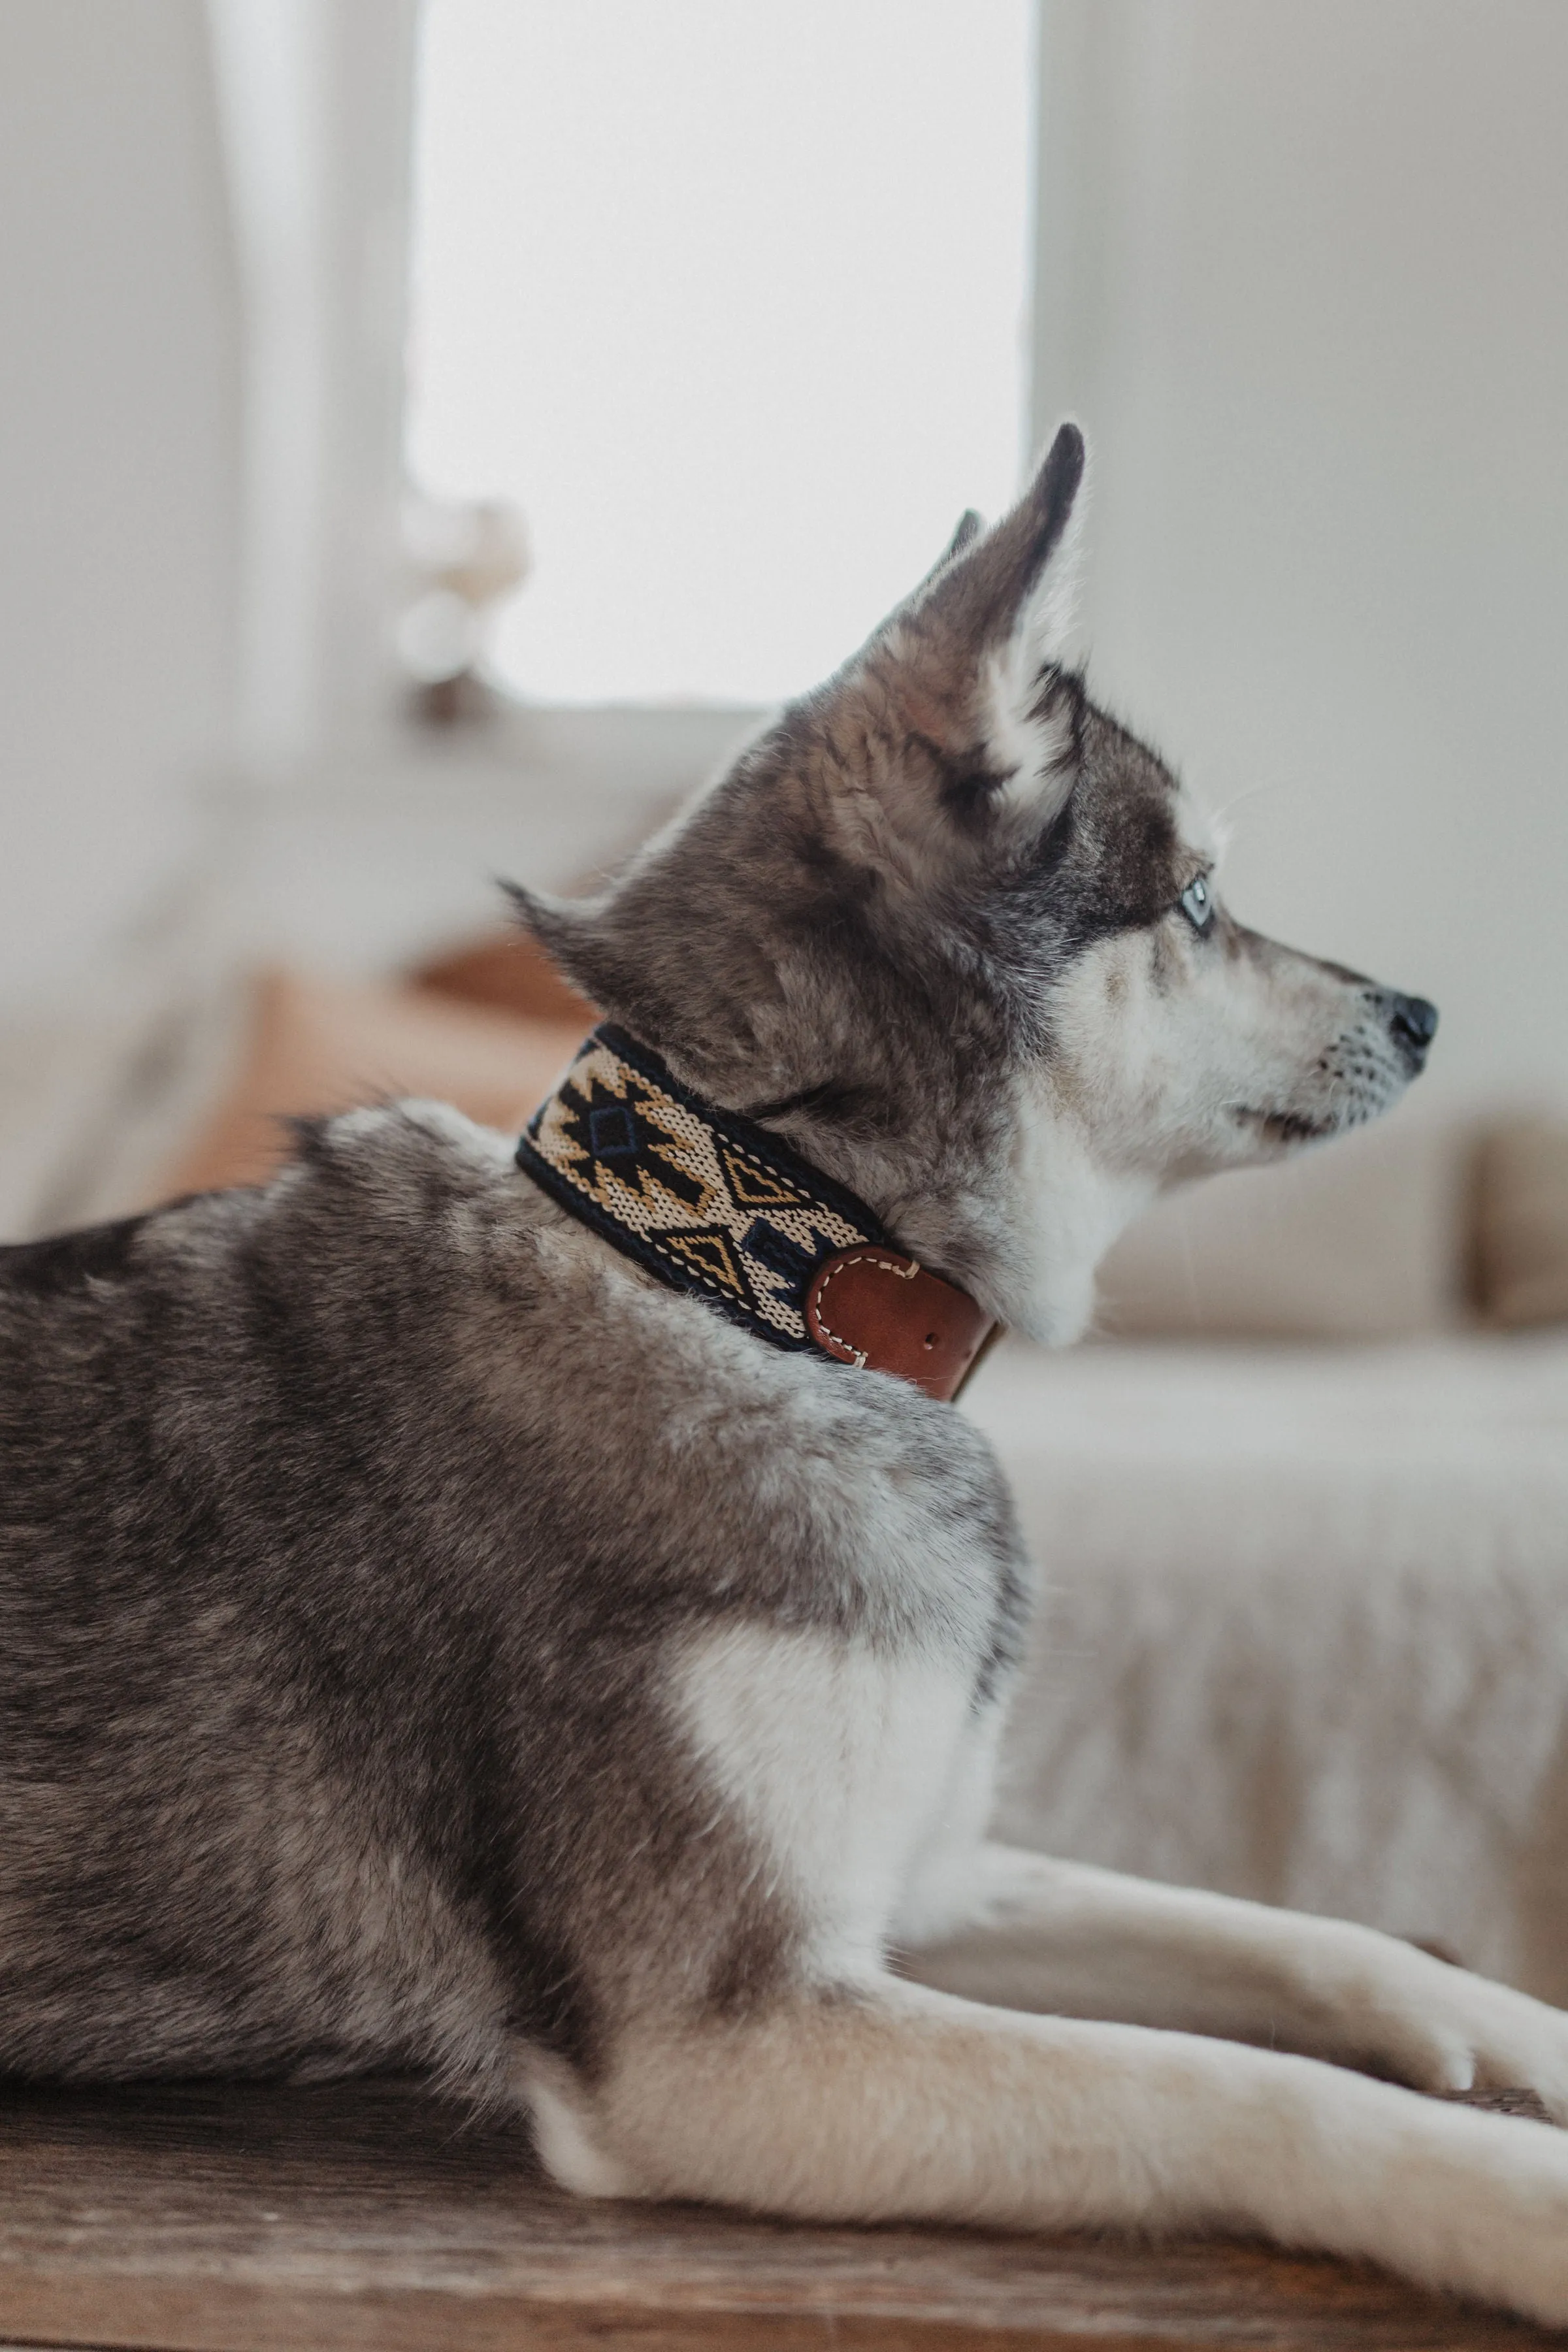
(887, 1313)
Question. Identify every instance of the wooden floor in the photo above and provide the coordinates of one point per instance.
(229, 2219)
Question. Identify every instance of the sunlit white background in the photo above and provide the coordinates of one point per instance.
(730, 300)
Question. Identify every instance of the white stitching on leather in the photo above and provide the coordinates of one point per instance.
(862, 1257)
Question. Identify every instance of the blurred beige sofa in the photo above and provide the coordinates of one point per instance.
(1305, 1544)
(1301, 1513)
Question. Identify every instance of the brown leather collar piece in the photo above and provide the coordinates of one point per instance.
(727, 1212)
(868, 1305)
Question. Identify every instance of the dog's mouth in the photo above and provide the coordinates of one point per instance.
(1285, 1127)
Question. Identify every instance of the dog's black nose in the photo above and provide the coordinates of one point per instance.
(1415, 1024)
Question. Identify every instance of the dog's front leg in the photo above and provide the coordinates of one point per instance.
(1080, 1942)
(884, 2100)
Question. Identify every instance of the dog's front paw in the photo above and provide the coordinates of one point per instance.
(1440, 2029)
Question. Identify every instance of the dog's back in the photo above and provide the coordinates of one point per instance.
(341, 1552)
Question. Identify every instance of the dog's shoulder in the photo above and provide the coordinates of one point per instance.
(403, 1311)
(771, 1475)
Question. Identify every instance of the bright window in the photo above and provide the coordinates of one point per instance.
(728, 296)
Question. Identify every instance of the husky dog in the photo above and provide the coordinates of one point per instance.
(429, 1638)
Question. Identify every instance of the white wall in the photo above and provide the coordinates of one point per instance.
(1304, 276)
(119, 425)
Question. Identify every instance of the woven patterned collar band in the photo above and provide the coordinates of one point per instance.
(718, 1207)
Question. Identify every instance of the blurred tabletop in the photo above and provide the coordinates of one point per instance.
(218, 2218)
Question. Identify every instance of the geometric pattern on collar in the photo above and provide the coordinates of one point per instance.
(709, 1203)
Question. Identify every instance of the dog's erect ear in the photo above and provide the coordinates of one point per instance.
(971, 727)
(1015, 580)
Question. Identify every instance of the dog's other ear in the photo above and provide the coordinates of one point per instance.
(578, 943)
(630, 952)
(967, 528)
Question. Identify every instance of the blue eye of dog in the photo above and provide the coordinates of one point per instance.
(1197, 902)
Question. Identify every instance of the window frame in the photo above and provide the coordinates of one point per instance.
(315, 113)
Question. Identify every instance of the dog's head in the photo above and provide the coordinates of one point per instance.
(957, 933)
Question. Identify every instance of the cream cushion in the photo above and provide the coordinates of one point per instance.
(1521, 1224)
(1363, 1238)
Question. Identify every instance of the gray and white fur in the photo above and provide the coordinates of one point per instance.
(427, 1640)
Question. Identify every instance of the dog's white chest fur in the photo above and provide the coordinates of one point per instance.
(856, 1768)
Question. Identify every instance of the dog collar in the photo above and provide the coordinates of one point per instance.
(718, 1207)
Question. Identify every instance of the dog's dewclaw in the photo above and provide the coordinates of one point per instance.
(1504, 2103)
